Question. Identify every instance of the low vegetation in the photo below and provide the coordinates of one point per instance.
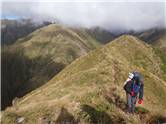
(90, 89)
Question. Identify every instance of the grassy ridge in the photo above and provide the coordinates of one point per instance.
(36, 58)
(90, 89)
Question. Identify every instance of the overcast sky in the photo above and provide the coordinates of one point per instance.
(110, 15)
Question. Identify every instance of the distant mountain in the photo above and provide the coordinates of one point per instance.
(90, 89)
(151, 35)
(11, 30)
(102, 35)
(161, 42)
(33, 60)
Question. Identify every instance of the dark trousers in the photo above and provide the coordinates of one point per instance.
(131, 102)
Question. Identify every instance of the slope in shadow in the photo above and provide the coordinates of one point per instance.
(12, 75)
(158, 119)
(95, 116)
(21, 75)
(66, 118)
(100, 117)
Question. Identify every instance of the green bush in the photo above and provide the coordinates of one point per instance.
(141, 110)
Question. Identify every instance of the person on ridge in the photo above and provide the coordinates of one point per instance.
(134, 86)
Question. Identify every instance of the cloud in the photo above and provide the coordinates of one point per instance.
(110, 15)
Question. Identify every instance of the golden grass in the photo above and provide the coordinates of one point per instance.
(87, 80)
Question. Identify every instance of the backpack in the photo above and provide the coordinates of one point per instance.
(138, 76)
(136, 85)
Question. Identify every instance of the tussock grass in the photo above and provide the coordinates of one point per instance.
(91, 87)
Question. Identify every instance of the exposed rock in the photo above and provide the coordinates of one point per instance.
(20, 120)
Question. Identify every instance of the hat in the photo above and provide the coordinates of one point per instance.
(131, 75)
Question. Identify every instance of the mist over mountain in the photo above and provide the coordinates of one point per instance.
(116, 18)
(113, 16)
(67, 61)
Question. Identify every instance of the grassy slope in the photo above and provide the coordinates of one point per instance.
(57, 43)
(161, 43)
(160, 50)
(50, 38)
(41, 55)
(91, 87)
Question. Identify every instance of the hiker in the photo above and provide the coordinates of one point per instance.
(133, 86)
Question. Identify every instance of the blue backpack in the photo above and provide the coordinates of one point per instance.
(139, 80)
(136, 86)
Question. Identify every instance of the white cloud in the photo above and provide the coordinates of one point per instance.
(111, 15)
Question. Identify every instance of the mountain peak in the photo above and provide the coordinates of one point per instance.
(129, 42)
(127, 38)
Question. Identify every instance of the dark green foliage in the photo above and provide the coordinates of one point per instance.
(141, 110)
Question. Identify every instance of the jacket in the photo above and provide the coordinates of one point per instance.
(128, 87)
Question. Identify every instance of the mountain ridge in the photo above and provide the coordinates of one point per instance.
(92, 86)
(41, 55)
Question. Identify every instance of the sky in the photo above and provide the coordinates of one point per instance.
(111, 15)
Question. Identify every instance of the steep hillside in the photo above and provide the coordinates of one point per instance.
(161, 43)
(90, 89)
(36, 58)
(160, 50)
